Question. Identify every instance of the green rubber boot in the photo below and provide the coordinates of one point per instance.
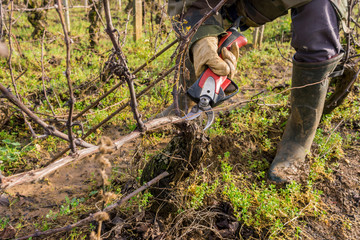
(310, 84)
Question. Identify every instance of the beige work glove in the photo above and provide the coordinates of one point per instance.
(205, 55)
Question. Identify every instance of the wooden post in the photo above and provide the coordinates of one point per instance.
(137, 19)
(86, 5)
(119, 4)
(255, 37)
(67, 17)
(258, 35)
(1, 20)
(262, 28)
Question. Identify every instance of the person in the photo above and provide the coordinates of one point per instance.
(315, 37)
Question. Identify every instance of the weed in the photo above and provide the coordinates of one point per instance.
(45, 225)
(70, 205)
(144, 201)
(264, 206)
(4, 222)
(65, 209)
(11, 155)
(76, 233)
(259, 165)
(226, 172)
(199, 192)
(140, 202)
(329, 148)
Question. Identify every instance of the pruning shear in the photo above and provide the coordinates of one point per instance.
(209, 89)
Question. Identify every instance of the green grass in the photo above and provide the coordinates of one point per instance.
(238, 176)
(86, 66)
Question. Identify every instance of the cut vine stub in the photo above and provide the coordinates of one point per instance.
(180, 157)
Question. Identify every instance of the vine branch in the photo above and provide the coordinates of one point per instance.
(126, 72)
(69, 122)
(50, 130)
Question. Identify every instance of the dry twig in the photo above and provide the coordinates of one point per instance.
(11, 69)
(69, 123)
(92, 217)
(43, 75)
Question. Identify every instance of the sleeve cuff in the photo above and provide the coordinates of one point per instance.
(207, 31)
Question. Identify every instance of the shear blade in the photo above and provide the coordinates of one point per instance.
(194, 113)
(211, 116)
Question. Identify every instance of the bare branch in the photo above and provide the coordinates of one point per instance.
(127, 75)
(46, 8)
(43, 74)
(128, 103)
(11, 70)
(122, 106)
(67, 73)
(96, 102)
(34, 175)
(50, 130)
(126, 27)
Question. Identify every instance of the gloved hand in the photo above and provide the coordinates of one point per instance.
(205, 55)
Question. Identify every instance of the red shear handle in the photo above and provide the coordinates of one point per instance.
(220, 81)
(211, 85)
(231, 37)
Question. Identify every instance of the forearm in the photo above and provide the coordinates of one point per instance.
(186, 16)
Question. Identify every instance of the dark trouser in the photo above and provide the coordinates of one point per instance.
(315, 30)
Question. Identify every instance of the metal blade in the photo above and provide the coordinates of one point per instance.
(197, 110)
(194, 113)
(211, 116)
